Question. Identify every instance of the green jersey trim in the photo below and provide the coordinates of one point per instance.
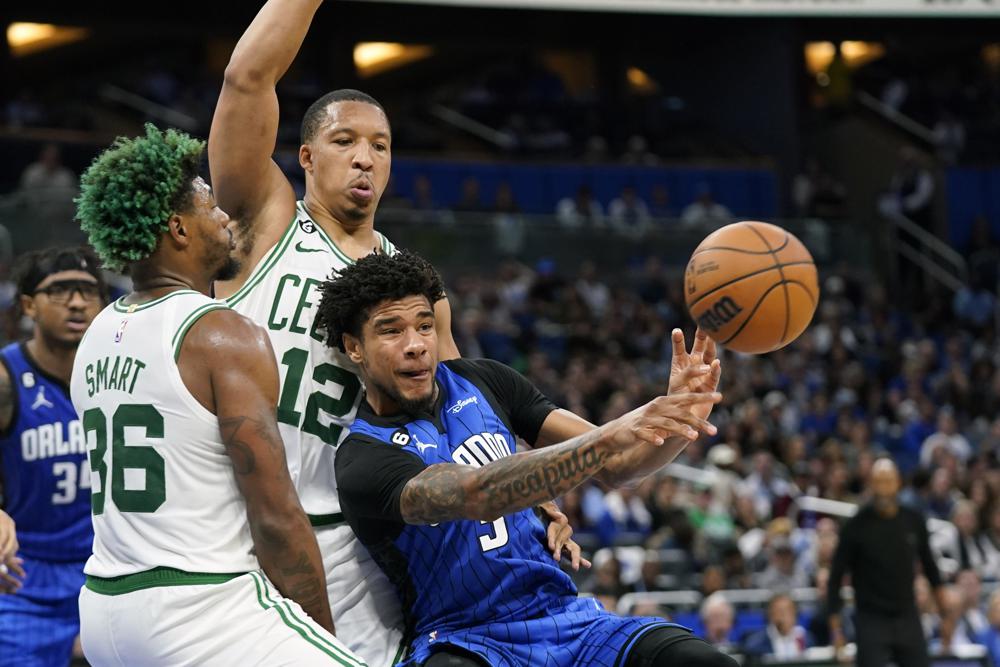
(265, 264)
(302, 626)
(122, 307)
(189, 321)
(158, 576)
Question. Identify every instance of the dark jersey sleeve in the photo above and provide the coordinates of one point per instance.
(370, 477)
(526, 406)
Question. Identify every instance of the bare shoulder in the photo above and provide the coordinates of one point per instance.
(225, 334)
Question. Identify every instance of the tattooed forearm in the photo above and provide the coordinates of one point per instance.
(446, 492)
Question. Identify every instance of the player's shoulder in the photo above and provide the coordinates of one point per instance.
(479, 368)
(219, 331)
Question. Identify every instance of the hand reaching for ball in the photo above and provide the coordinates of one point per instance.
(697, 371)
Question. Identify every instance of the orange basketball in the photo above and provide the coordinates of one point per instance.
(752, 287)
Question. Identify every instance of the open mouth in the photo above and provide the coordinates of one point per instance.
(416, 375)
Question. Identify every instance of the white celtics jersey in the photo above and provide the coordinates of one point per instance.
(163, 489)
(320, 387)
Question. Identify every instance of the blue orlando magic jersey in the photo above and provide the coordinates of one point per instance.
(44, 476)
(461, 573)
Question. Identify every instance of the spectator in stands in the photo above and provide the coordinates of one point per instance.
(509, 226)
(471, 200)
(47, 177)
(879, 547)
(817, 194)
(990, 638)
(975, 304)
(968, 550)
(735, 568)
(942, 494)
(946, 438)
(605, 583)
(718, 617)
(782, 573)
(424, 207)
(637, 152)
(581, 210)
(705, 213)
(660, 206)
(948, 135)
(783, 638)
(911, 190)
(765, 485)
(972, 622)
(629, 214)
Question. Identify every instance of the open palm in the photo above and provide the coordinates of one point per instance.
(696, 371)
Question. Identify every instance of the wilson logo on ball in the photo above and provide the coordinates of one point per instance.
(719, 314)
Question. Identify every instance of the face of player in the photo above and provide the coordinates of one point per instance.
(348, 160)
(63, 306)
(398, 355)
(212, 231)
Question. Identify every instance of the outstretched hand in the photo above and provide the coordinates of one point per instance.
(697, 371)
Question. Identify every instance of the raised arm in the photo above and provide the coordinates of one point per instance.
(247, 182)
(446, 492)
(244, 381)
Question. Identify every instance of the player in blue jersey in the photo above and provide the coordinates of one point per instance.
(430, 482)
(44, 477)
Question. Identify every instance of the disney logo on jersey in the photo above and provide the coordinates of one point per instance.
(480, 449)
(455, 409)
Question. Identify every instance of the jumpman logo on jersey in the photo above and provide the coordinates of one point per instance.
(41, 401)
(422, 446)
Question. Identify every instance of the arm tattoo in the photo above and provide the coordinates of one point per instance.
(302, 581)
(448, 491)
(234, 438)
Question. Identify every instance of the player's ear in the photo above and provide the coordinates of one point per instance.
(28, 306)
(179, 230)
(305, 157)
(352, 346)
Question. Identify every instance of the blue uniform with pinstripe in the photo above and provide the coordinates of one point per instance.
(45, 483)
(490, 588)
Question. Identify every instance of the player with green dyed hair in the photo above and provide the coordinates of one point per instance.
(131, 190)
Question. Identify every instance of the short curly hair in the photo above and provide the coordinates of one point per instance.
(350, 295)
(129, 192)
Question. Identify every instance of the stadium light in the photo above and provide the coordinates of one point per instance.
(371, 58)
(28, 38)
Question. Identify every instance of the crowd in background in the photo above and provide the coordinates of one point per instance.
(870, 377)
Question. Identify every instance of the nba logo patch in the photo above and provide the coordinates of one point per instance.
(121, 331)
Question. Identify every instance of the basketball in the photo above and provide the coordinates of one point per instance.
(752, 287)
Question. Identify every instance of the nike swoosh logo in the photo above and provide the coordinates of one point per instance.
(298, 246)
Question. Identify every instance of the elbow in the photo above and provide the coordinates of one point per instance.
(245, 77)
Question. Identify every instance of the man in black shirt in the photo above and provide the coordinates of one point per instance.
(879, 546)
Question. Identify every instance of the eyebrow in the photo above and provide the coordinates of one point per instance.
(383, 321)
(352, 131)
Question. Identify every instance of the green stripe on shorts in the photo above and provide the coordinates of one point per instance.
(304, 628)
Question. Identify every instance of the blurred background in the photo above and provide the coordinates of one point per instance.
(559, 166)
